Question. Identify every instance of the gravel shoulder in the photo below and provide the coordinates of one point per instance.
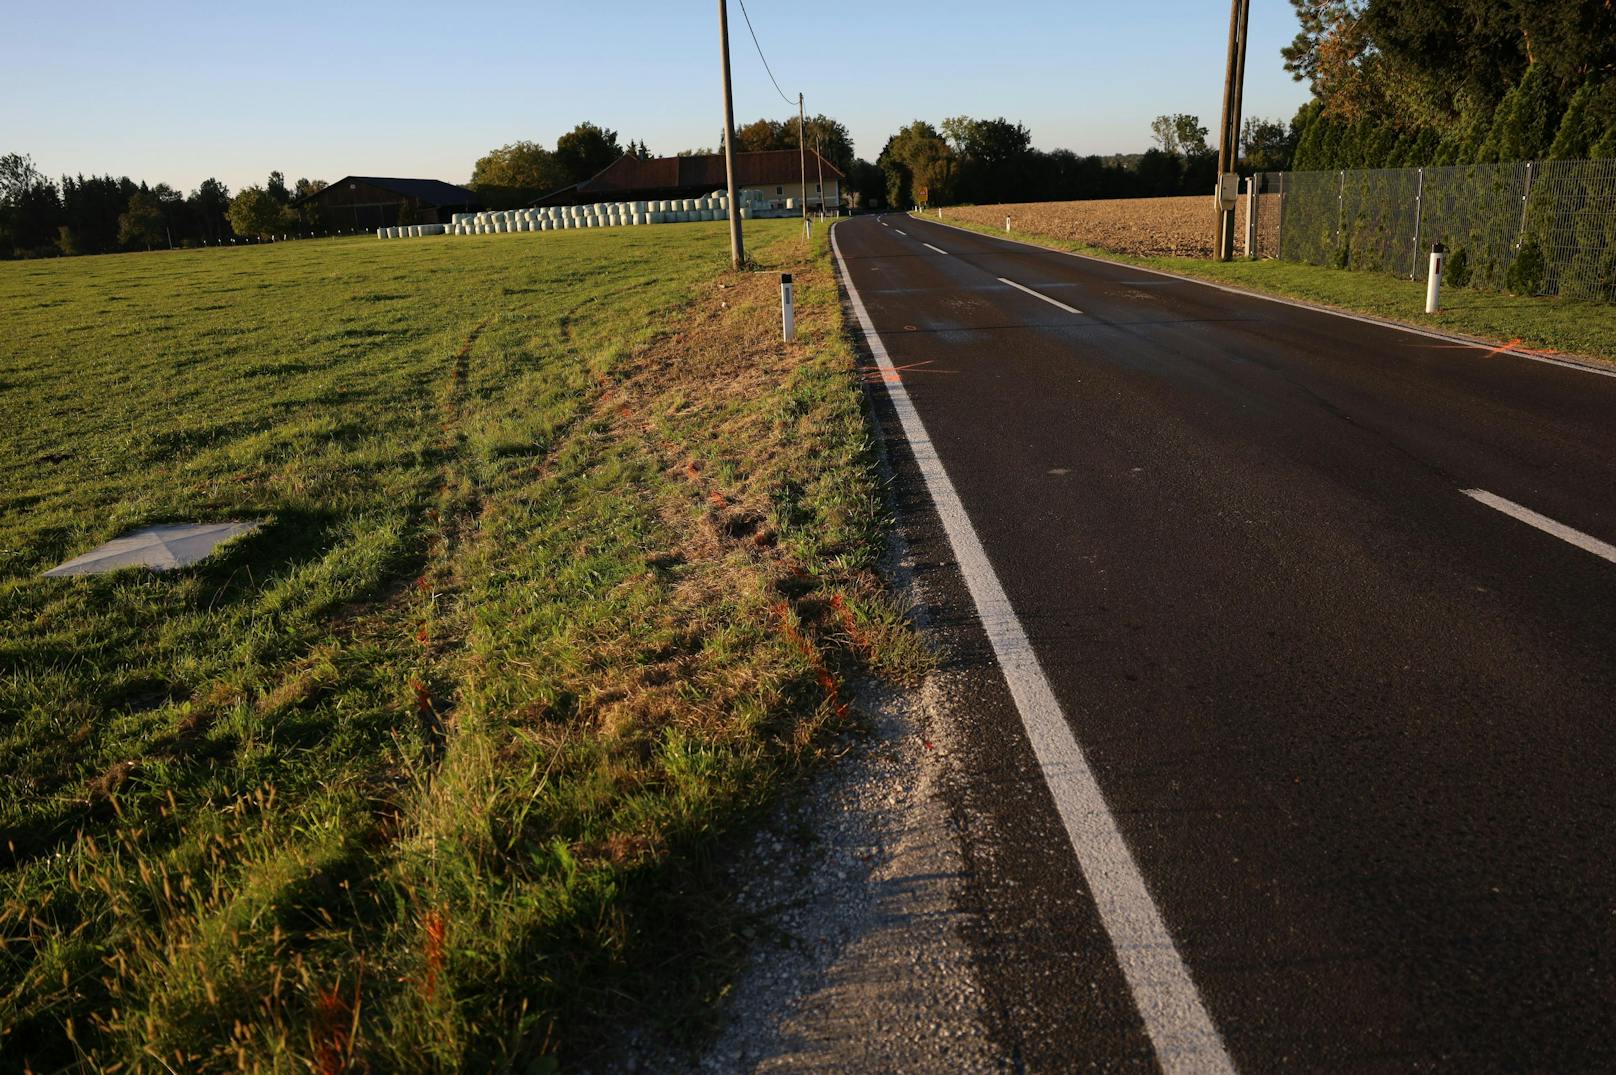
(860, 963)
(860, 888)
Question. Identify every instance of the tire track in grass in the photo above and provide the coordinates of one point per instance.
(451, 526)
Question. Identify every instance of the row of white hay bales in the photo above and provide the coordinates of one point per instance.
(561, 217)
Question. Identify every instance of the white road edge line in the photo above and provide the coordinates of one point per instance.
(1396, 326)
(1526, 515)
(1040, 295)
(1181, 1032)
(939, 249)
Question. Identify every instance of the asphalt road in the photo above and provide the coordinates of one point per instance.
(1355, 725)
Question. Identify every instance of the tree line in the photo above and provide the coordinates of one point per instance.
(964, 160)
(985, 161)
(1399, 83)
(993, 160)
(42, 217)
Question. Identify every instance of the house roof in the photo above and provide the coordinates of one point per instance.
(705, 172)
(426, 191)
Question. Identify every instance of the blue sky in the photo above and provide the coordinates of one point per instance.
(184, 91)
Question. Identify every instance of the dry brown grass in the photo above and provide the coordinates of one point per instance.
(1147, 227)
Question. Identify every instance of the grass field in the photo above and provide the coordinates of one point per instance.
(1550, 325)
(566, 558)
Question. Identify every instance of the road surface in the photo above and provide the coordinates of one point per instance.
(1293, 743)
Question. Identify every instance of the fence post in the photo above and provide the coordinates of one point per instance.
(1520, 236)
(1419, 211)
(1340, 208)
(1279, 252)
(1251, 218)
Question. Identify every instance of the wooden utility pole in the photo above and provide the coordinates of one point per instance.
(819, 168)
(1229, 136)
(802, 160)
(737, 251)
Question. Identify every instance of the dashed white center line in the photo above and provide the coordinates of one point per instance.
(1040, 295)
(1586, 542)
(900, 231)
(928, 246)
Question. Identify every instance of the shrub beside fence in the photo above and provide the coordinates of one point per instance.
(1542, 228)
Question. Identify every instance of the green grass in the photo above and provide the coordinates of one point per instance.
(1586, 329)
(565, 560)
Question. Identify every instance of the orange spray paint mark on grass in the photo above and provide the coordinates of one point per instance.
(436, 930)
(827, 682)
(333, 1030)
(850, 625)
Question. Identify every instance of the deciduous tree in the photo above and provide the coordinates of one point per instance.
(918, 164)
(1180, 134)
(255, 212)
(523, 165)
(585, 150)
(141, 224)
(1265, 145)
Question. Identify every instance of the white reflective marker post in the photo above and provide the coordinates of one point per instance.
(1433, 284)
(788, 316)
(1007, 225)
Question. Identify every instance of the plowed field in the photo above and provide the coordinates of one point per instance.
(1149, 227)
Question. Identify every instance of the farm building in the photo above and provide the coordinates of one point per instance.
(363, 202)
(772, 177)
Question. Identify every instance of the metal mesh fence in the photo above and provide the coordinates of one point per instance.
(1535, 228)
(1270, 187)
(1570, 230)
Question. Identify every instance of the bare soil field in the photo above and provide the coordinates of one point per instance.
(1149, 227)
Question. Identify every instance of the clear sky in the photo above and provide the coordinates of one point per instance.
(183, 91)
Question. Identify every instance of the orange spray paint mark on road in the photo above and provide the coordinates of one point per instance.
(875, 374)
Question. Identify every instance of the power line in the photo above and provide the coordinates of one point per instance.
(759, 48)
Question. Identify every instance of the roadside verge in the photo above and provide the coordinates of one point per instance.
(1577, 334)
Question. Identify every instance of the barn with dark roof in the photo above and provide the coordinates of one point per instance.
(772, 176)
(366, 202)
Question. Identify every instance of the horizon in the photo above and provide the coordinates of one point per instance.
(417, 123)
